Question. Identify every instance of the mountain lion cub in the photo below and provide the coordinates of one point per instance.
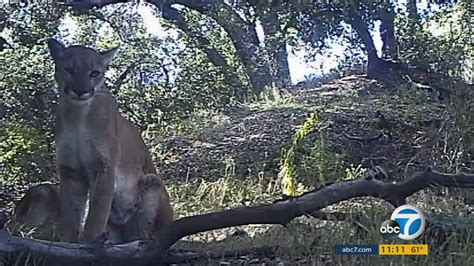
(100, 155)
(39, 208)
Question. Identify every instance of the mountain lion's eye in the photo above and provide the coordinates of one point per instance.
(94, 73)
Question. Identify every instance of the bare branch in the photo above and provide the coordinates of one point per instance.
(281, 212)
(362, 139)
(113, 25)
(89, 4)
(70, 252)
(172, 14)
(186, 256)
(284, 211)
(118, 83)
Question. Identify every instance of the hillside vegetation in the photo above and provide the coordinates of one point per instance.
(233, 158)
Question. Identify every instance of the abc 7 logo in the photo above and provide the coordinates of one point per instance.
(407, 222)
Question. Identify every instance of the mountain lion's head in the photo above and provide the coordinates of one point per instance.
(79, 71)
(39, 205)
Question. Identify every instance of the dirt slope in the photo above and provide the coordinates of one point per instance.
(248, 139)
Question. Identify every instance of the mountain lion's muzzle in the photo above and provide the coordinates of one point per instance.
(78, 93)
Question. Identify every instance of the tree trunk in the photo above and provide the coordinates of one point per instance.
(243, 36)
(387, 32)
(362, 29)
(275, 45)
(217, 59)
(413, 10)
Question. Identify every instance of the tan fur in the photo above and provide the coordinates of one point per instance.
(100, 155)
(39, 208)
(153, 210)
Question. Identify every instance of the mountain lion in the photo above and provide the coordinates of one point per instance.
(39, 208)
(100, 155)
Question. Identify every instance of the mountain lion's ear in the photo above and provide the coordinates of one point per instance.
(56, 48)
(109, 55)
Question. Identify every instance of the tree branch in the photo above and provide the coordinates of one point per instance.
(362, 139)
(115, 27)
(243, 36)
(89, 4)
(143, 251)
(361, 27)
(187, 256)
(175, 16)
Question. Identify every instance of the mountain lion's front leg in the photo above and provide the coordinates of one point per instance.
(73, 195)
(100, 202)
